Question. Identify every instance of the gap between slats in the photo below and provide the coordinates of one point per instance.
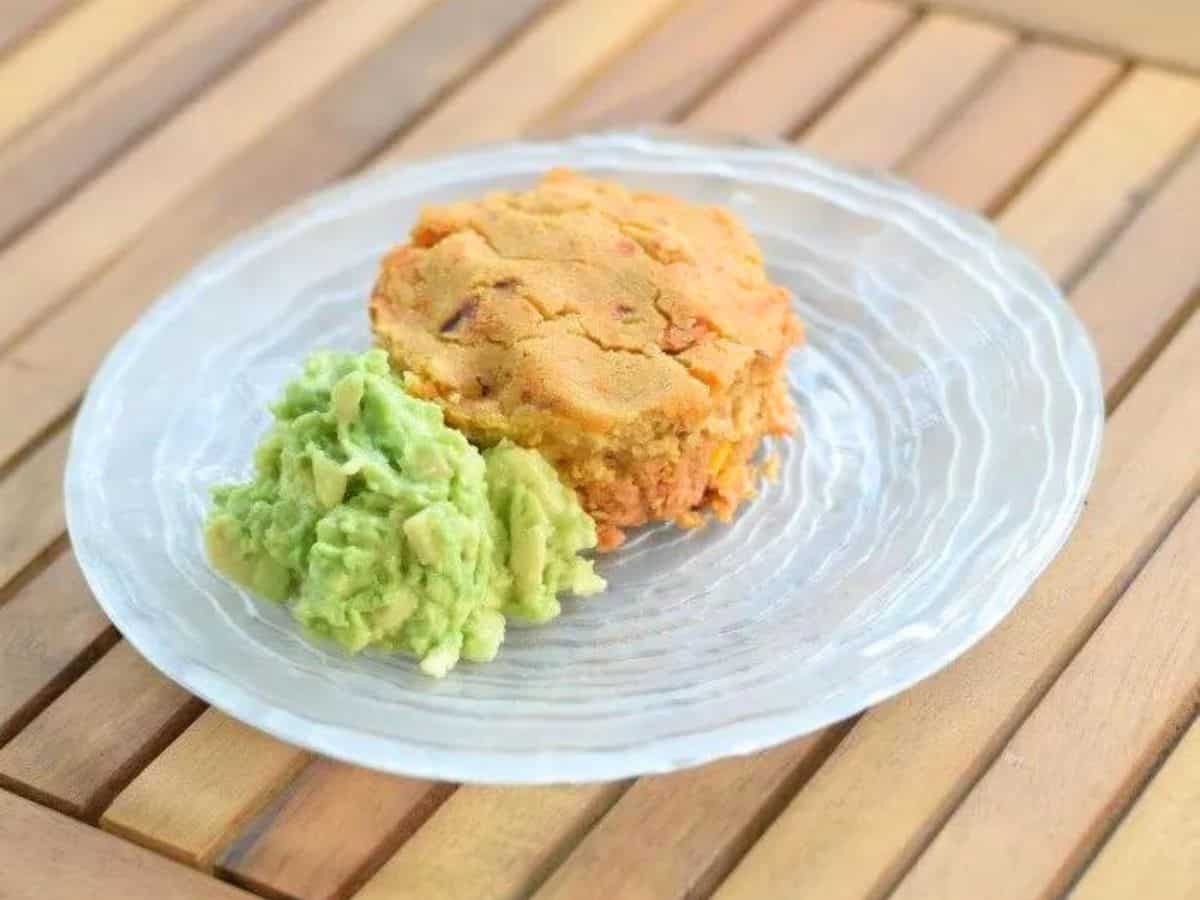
(50, 159)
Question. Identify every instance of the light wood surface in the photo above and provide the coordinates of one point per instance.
(194, 797)
(548, 61)
(23, 18)
(1039, 92)
(211, 118)
(51, 630)
(815, 55)
(58, 59)
(1156, 851)
(461, 855)
(40, 165)
(668, 71)
(678, 835)
(1167, 31)
(45, 855)
(364, 817)
(1079, 757)
(31, 506)
(1143, 263)
(1105, 167)
(55, 256)
(946, 57)
(89, 742)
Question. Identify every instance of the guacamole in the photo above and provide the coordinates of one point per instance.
(381, 526)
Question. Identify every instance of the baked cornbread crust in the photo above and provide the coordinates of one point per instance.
(632, 338)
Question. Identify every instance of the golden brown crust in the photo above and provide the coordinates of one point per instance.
(633, 338)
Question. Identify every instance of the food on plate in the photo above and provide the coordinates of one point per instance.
(632, 338)
(380, 526)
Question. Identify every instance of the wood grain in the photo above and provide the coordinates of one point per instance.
(549, 61)
(325, 137)
(1105, 167)
(865, 815)
(42, 164)
(1081, 755)
(1156, 851)
(946, 58)
(44, 855)
(1167, 31)
(50, 631)
(491, 843)
(42, 72)
(24, 17)
(195, 796)
(54, 258)
(669, 70)
(1034, 100)
(89, 742)
(804, 65)
(333, 826)
(676, 836)
(1155, 253)
(31, 505)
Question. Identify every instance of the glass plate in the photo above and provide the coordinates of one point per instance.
(951, 415)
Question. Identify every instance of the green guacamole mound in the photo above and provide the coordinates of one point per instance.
(380, 526)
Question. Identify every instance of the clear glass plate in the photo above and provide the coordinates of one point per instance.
(951, 415)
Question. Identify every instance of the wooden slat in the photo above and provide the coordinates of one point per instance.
(327, 136)
(41, 165)
(946, 58)
(489, 843)
(50, 631)
(53, 259)
(1076, 762)
(677, 836)
(1105, 167)
(1166, 31)
(1033, 101)
(802, 67)
(45, 855)
(869, 810)
(549, 61)
(1156, 851)
(331, 828)
(45, 70)
(31, 506)
(89, 742)
(24, 17)
(195, 796)
(1128, 304)
(673, 66)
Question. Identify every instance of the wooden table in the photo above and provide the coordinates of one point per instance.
(1060, 756)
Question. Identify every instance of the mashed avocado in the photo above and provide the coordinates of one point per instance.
(379, 525)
